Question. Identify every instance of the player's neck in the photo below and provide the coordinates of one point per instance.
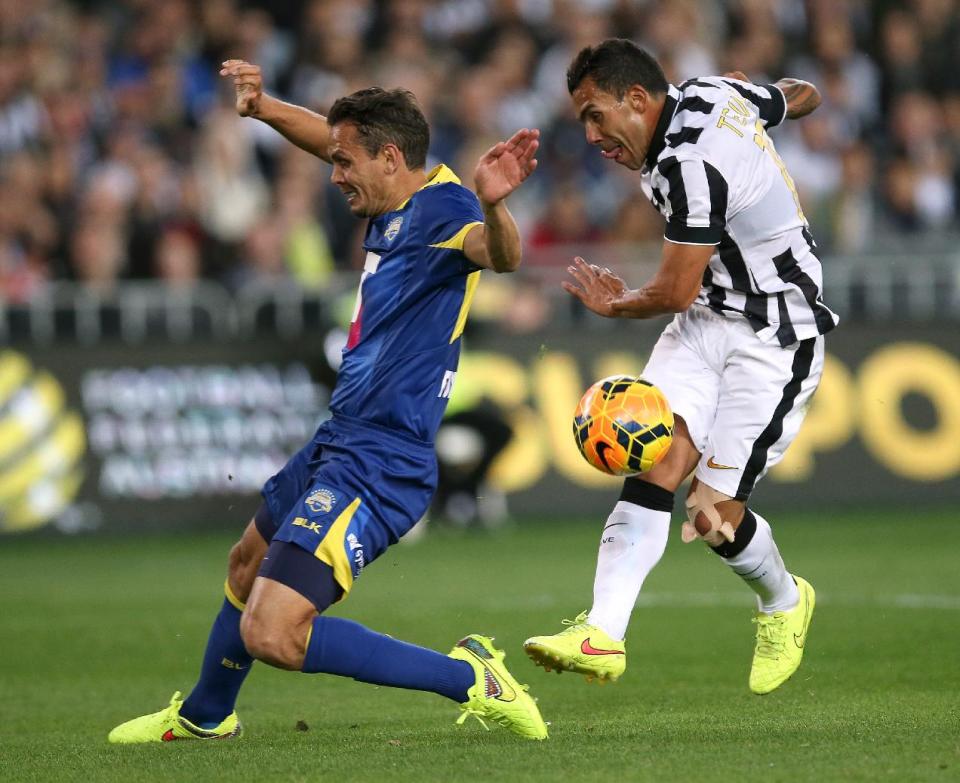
(406, 185)
(655, 111)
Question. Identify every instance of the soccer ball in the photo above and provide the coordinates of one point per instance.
(623, 425)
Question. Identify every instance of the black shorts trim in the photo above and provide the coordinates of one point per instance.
(299, 570)
(802, 362)
(265, 525)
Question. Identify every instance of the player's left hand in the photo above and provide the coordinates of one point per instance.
(738, 75)
(598, 288)
(503, 167)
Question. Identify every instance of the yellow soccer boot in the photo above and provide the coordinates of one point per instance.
(581, 648)
(781, 638)
(168, 725)
(496, 694)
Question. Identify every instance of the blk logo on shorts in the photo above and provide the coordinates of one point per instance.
(306, 523)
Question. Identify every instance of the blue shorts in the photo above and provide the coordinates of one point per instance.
(347, 495)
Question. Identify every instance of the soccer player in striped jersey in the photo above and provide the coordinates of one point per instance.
(370, 471)
(741, 357)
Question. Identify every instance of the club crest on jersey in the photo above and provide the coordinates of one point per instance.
(321, 501)
(393, 228)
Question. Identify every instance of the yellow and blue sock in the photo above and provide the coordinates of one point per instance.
(226, 664)
(346, 648)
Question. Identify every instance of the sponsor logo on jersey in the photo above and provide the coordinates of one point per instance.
(321, 501)
(393, 228)
(356, 548)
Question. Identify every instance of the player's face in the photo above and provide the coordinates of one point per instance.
(619, 126)
(362, 178)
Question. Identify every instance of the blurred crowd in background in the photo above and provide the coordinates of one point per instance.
(121, 155)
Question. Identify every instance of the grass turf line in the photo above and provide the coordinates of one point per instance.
(96, 631)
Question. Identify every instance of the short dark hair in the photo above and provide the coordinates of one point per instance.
(615, 65)
(386, 117)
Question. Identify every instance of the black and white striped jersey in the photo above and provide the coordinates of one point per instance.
(714, 174)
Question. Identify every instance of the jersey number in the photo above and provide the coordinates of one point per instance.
(764, 142)
(741, 114)
(370, 265)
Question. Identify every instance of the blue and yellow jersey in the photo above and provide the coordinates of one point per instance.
(401, 355)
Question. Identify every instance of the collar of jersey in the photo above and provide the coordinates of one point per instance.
(658, 141)
(437, 176)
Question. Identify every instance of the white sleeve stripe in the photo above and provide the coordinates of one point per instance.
(698, 244)
(698, 194)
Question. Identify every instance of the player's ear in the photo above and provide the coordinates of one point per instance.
(392, 157)
(638, 98)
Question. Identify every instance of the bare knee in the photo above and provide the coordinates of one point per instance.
(279, 645)
(275, 624)
(679, 461)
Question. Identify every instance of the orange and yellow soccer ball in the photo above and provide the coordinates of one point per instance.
(623, 425)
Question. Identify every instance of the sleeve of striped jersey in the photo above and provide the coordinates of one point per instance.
(768, 98)
(697, 195)
(773, 111)
(448, 212)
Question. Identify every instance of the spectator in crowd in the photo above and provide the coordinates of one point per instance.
(854, 215)
(565, 221)
(177, 256)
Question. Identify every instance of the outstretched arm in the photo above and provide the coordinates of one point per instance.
(307, 129)
(496, 244)
(671, 290)
(802, 97)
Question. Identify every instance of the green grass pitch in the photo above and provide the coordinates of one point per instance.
(94, 631)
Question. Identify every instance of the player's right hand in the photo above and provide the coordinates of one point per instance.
(599, 288)
(248, 83)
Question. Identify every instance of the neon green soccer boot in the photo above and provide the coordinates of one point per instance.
(167, 725)
(496, 694)
(781, 638)
(580, 648)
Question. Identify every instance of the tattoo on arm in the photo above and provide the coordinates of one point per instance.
(802, 97)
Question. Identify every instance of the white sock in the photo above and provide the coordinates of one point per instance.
(631, 544)
(762, 568)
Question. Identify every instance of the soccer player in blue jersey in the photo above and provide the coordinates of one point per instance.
(370, 471)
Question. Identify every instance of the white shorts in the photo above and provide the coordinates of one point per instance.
(743, 400)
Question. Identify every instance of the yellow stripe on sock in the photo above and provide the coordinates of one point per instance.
(236, 602)
(332, 551)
